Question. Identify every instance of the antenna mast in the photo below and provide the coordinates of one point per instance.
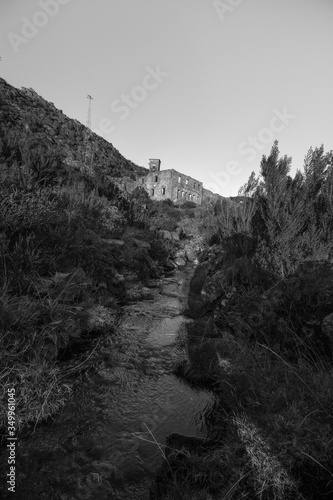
(89, 111)
(89, 148)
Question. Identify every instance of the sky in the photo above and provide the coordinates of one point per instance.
(206, 86)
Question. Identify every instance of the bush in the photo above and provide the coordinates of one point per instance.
(187, 204)
(272, 350)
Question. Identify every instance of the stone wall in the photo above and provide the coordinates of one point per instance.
(174, 185)
(159, 185)
(209, 196)
(185, 188)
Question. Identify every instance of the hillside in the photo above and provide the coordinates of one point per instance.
(30, 117)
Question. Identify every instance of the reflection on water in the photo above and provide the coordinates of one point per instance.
(139, 415)
(165, 332)
(133, 424)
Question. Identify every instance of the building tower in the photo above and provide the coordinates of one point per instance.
(154, 165)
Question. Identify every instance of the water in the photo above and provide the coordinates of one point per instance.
(108, 442)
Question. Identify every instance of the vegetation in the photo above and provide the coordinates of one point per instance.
(69, 255)
(71, 246)
(268, 355)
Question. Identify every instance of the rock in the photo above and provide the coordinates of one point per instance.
(180, 262)
(153, 283)
(166, 235)
(171, 290)
(180, 253)
(119, 278)
(119, 243)
(214, 287)
(146, 294)
(137, 293)
(327, 328)
(190, 254)
(175, 236)
(142, 244)
(130, 276)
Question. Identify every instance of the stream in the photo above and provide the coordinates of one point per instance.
(108, 441)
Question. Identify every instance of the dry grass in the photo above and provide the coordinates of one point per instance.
(283, 416)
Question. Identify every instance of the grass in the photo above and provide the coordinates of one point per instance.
(292, 406)
(276, 425)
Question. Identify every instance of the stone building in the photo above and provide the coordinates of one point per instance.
(178, 187)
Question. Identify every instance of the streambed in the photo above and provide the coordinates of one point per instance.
(108, 441)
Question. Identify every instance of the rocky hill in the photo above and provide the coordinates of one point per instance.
(28, 116)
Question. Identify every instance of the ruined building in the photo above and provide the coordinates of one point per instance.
(178, 187)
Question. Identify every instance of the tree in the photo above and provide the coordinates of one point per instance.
(250, 186)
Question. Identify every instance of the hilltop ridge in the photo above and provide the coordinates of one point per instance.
(25, 113)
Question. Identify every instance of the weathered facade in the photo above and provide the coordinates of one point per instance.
(170, 184)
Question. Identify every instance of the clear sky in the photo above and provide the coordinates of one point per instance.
(204, 85)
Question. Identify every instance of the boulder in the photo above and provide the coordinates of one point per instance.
(175, 236)
(167, 235)
(180, 262)
(178, 230)
(190, 254)
(142, 244)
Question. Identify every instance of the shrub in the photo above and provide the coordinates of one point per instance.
(187, 204)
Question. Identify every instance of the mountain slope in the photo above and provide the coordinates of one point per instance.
(30, 117)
